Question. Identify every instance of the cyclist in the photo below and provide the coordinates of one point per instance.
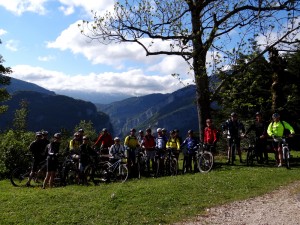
(233, 127)
(117, 150)
(37, 150)
(277, 129)
(52, 151)
(174, 144)
(178, 136)
(74, 146)
(148, 144)
(85, 154)
(191, 142)
(140, 137)
(131, 144)
(81, 135)
(260, 128)
(210, 135)
(103, 142)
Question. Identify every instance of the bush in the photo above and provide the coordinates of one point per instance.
(13, 147)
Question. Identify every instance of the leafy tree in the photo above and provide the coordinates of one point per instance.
(13, 147)
(21, 115)
(249, 90)
(194, 29)
(4, 80)
(88, 128)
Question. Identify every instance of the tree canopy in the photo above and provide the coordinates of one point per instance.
(198, 29)
(4, 80)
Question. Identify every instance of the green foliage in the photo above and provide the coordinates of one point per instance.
(88, 128)
(21, 116)
(4, 80)
(13, 147)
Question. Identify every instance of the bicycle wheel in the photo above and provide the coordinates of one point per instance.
(100, 173)
(232, 149)
(19, 177)
(70, 175)
(121, 173)
(173, 167)
(250, 157)
(205, 162)
(286, 156)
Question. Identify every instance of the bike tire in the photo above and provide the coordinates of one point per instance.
(173, 167)
(286, 157)
(250, 157)
(121, 173)
(19, 177)
(70, 175)
(233, 149)
(157, 168)
(205, 162)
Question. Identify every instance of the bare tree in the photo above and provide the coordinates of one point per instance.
(196, 28)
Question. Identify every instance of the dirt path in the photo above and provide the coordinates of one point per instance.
(281, 207)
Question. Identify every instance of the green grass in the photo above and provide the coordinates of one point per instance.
(147, 201)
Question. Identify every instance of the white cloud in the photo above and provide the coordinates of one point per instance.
(12, 45)
(46, 58)
(132, 82)
(2, 32)
(20, 6)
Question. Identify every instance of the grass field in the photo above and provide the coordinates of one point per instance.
(147, 201)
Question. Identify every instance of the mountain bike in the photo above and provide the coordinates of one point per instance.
(20, 175)
(141, 162)
(115, 171)
(171, 164)
(159, 162)
(285, 150)
(251, 152)
(96, 171)
(205, 159)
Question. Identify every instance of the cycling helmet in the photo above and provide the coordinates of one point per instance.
(57, 135)
(258, 114)
(164, 129)
(104, 129)
(159, 130)
(44, 132)
(132, 130)
(116, 139)
(81, 130)
(38, 134)
(190, 131)
(275, 115)
(141, 131)
(85, 138)
(148, 130)
(233, 114)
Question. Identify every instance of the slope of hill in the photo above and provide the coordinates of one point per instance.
(53, 112)
(174, 110)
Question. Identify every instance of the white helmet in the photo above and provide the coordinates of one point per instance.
(158, 130)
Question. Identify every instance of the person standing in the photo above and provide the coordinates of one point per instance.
(52, 151)
(131, 144)
(190, 154)
(234, 129)
(103, 142)
(260, 128)
(37, 150)
(210, 135)
(277, 129)
(148, 144)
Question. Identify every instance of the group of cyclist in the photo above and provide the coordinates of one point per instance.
(81, 149)
(234, 130)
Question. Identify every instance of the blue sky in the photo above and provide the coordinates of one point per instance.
(42, 44)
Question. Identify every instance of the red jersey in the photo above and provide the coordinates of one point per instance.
(210, 135)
